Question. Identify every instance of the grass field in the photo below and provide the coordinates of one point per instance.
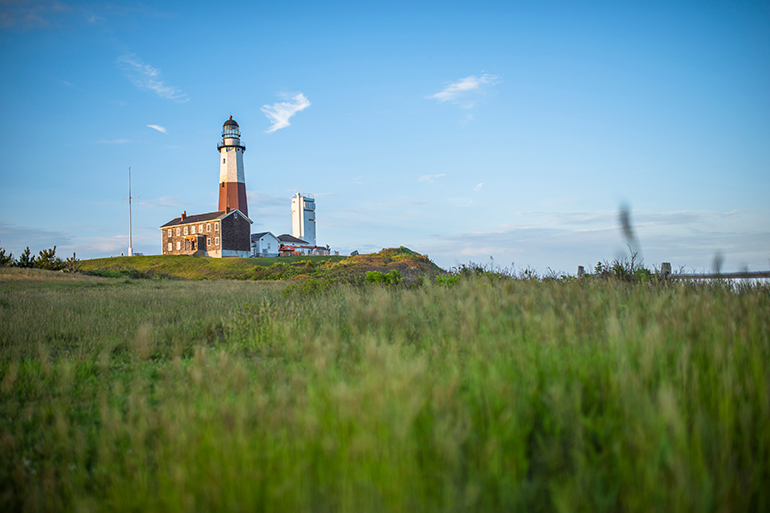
(486, 395)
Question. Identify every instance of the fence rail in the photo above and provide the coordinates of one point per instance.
(665, 272)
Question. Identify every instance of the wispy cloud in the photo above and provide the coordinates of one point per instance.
(162, 201)
(114, 141)
(280, 113)
(31, 15)
(91, 17)
(430, 178)
(461, 92)
(478, 187)
(159, 128)
(144, 76)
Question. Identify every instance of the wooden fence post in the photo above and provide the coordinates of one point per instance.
(665, 270)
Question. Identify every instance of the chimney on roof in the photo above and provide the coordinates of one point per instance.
(227, 210)
(184, 214)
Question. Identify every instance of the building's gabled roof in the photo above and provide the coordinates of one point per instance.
(257, 236)
(197, 218)
(291, 240)
(200, 218)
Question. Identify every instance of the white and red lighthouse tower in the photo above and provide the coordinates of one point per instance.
(232, 184)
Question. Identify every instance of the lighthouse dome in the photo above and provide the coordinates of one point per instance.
(230, 129)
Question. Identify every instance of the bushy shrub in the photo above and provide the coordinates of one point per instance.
(391, 278)
(623, 269)
(133, 274)
(447, 280)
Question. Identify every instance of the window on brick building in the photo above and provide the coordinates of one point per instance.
(216, 241)
(178, 245)
(185, 230)
(169, 232)
(177, 232)
(216, 227)
(208, 241)
(208, 227)
(200, 228)
(192, 229)
(170, 246)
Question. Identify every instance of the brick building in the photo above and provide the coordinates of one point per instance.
(215, 234)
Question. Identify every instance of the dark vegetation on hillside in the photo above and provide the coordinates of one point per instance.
(46, 259)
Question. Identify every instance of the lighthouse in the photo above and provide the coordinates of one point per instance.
(232, 185)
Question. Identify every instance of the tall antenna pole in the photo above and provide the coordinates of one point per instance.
(130, 232)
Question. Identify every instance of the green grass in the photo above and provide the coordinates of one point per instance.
(487, 395)
(188, 267)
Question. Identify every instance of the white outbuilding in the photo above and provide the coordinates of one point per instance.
(264, 244)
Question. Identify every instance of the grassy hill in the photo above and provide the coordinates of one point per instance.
(406, 261)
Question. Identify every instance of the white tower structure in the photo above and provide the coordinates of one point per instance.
(303, 217)
(232, 183)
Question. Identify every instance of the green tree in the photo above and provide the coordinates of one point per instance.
(47, 259)
(72, 265)
(6, 260)
(27, 259)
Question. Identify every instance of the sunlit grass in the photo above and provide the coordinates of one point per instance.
(188, 267)
(487, 395)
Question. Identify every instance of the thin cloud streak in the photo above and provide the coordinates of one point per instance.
(162, 201)
(144, 76)
(159, 128)
(114, 141)
(457, 92)
(280, 113)
(430, 178)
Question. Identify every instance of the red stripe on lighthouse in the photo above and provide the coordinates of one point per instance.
(233, 195)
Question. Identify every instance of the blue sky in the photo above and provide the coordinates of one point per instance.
(463, 130)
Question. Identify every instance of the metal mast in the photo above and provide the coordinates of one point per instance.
(130, 232)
